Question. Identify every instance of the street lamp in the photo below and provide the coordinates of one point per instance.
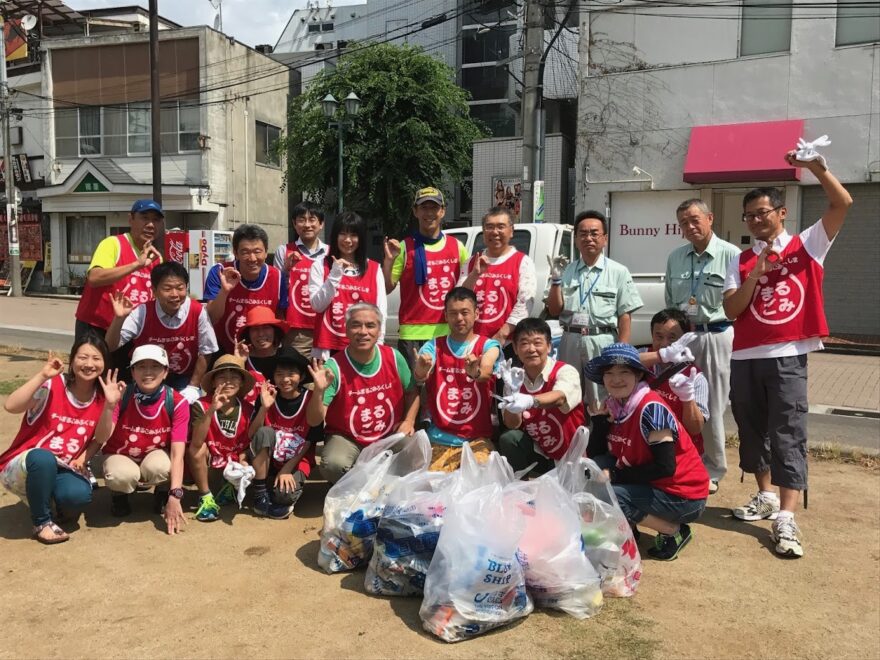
(330, 107)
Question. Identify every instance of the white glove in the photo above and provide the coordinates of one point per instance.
(683, 386)
(191, 393)
(806, 151)
(240, 476)
(678, 352)
(511, 376)
(557, 266)
(517, 403)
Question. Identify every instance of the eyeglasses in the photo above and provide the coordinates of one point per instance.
(595, 233)
(760, 215)
(500, 227)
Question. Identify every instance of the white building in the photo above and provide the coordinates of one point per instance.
(706, 101)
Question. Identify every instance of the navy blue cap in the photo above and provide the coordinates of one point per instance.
(622, 354)
(144, 205)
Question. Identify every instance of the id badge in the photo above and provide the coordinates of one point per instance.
(580, 319)
(691, 308)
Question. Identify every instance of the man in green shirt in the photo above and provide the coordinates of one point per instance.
(695, 275)
(362, 394)
(594, 298)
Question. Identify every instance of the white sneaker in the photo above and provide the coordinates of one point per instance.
(758, 508)
(787, 537)
(713, 486)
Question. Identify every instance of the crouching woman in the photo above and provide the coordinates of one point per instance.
(655, 469)
(63, 412)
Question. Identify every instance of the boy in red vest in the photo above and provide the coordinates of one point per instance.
(282, 442)
(774, 293)
(457, 371)
(173, 321)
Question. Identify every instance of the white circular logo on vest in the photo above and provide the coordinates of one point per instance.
(492, 300)
(299, 294)
(778, 299)
(234, 323)
(372, 422)
(545, 430)
(458, 405)
(437, 288)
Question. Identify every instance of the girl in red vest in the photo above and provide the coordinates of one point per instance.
(63, 412)
(343, 278)
(655, 469)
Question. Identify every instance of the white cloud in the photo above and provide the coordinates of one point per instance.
(250, 21)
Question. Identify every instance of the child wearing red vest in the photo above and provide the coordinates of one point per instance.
(282, 441)
(261, 337)
(148, 440)
(219, 430)
(774, 294)
(62, 414)
(457, 371)
(655, 469)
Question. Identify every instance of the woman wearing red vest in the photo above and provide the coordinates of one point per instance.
(344, 278)
(655, 469)
(62, 413)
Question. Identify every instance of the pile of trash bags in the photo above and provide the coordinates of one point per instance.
(480, 546)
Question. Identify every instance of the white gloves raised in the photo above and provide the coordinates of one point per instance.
(511, 376)
(557, 266)
(806, 151)
(517, 403)
(683, 386)
(678, 352)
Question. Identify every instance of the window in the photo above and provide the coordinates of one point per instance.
(499, 118)
(488, 46)
(266, 136)
(766, 27)
(189, 122)
(139, 128)
(493, 11)
(857, 23)
(89, 131)
(486, 82)
(67, 133)
(83, 235)
(326, 27)
(314, 27)
(115, 132)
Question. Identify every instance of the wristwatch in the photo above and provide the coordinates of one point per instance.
(176, 493)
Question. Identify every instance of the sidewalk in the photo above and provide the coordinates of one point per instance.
(835, 380)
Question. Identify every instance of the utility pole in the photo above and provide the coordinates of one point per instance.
(533, 52)
(9, 172)
(155, 108)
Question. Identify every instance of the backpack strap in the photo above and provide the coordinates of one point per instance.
(126, 398)
(169, 402)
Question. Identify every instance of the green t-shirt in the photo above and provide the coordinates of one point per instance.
(368, 369)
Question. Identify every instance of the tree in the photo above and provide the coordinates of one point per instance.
(413, 130)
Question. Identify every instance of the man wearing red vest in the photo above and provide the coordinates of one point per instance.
(774, 293)
(502, 277)
(362, 394)
(427, 266)
(121, 263)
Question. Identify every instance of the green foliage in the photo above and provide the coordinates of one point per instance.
(413, 130)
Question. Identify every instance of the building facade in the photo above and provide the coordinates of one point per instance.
(694, 102)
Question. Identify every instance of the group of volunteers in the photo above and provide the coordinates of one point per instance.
(280, 360)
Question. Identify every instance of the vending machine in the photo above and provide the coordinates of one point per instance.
(206, 248)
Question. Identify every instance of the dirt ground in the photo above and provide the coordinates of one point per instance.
(246, 586)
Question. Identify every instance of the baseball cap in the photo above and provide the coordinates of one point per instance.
(150, 352)
(144, 205)
(429, 194)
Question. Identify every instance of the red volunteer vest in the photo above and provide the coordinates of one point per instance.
(678, 409)
(181, 344)
(496, 293)
(136, 435)
(330, 324)
(61, 427)
(366, 408)
(459, 405)
(550, 428)
(250, 398)
(690, 480)
(94, 305)
(425, 304)
(299, 308)
(224, 446)
(294, 431)
(787, 305)
(240, 300)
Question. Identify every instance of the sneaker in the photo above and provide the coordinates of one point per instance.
(160, 497)
(226, 495)
(208, 510)
(786, 536)
(713, 486)
(120, 506)
(262, 502)
(279, 511)
(758, 508)
(666, 548)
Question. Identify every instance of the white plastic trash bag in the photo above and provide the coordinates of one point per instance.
(407, 534)
(240, 476)
(475, 582)
(354, 504)
(558, 573)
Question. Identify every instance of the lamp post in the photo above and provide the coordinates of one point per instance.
(330, 106)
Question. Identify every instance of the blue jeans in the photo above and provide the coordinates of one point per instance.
(640, 500)
(46, 481)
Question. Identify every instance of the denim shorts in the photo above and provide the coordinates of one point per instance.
(640, 500)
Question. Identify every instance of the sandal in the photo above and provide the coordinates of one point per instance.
(58, 534)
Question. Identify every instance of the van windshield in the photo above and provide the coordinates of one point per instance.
(522, 241)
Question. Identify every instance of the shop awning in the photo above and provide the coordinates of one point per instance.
(733, 153)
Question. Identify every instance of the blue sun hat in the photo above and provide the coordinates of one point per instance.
(622, 354)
